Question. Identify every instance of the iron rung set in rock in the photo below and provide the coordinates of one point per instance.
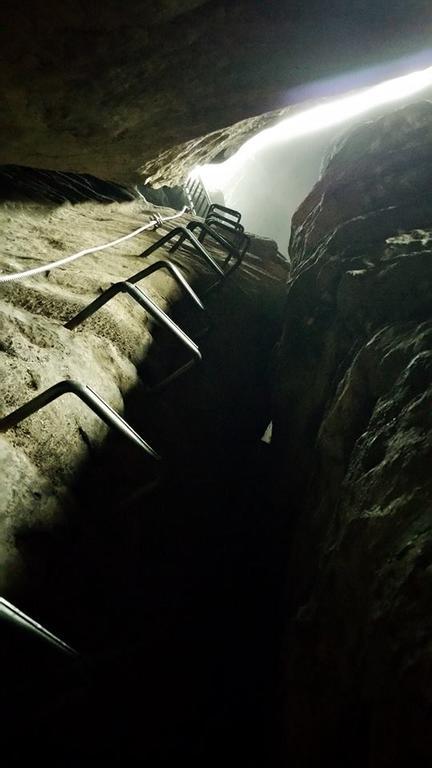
(223, 226)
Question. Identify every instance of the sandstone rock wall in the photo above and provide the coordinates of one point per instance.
(102, 88)
(353, 432)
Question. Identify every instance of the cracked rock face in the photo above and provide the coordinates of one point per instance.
(103, 88)
(43, 456)
(353, 415)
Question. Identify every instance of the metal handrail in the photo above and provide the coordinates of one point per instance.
(90, 398)
(184, 234)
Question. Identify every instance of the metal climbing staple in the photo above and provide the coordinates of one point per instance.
(90, 398)
(234, 250)
(197, 195)
(183, 233)
(174, 272)
(152, 308)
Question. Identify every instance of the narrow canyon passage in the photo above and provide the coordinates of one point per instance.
(174, 586)
(168, 579)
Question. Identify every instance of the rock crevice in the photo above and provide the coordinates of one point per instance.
(353, 401)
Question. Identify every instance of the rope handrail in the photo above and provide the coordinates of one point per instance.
(155, 223)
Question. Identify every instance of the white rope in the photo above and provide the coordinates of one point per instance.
(155, 223)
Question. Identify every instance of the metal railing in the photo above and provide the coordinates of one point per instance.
(218, 217)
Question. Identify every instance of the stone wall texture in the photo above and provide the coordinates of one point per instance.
(102, 88)
(353, 410)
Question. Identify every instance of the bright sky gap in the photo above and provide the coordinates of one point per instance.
(318, 118)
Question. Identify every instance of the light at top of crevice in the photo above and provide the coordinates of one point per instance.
(315, 119)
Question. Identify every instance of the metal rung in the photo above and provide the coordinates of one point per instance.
(224, 221)
(225, 224)
(223, 209)
(176, 274)
(231, 248)
(90, 398)
(234, 235)
(171, 377)
(184, 234)
(146, 302)
(150, 306)
(206, 229)
(12, 615)
(197, 195)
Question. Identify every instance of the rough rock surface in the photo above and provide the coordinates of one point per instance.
(353, 432)
(42, 456)
(114, 352)
(101, 88)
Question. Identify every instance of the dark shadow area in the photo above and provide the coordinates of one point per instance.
(168, 579)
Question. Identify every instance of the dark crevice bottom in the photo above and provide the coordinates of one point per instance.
(169, 582)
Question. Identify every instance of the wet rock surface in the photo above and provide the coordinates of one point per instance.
(352, 430)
